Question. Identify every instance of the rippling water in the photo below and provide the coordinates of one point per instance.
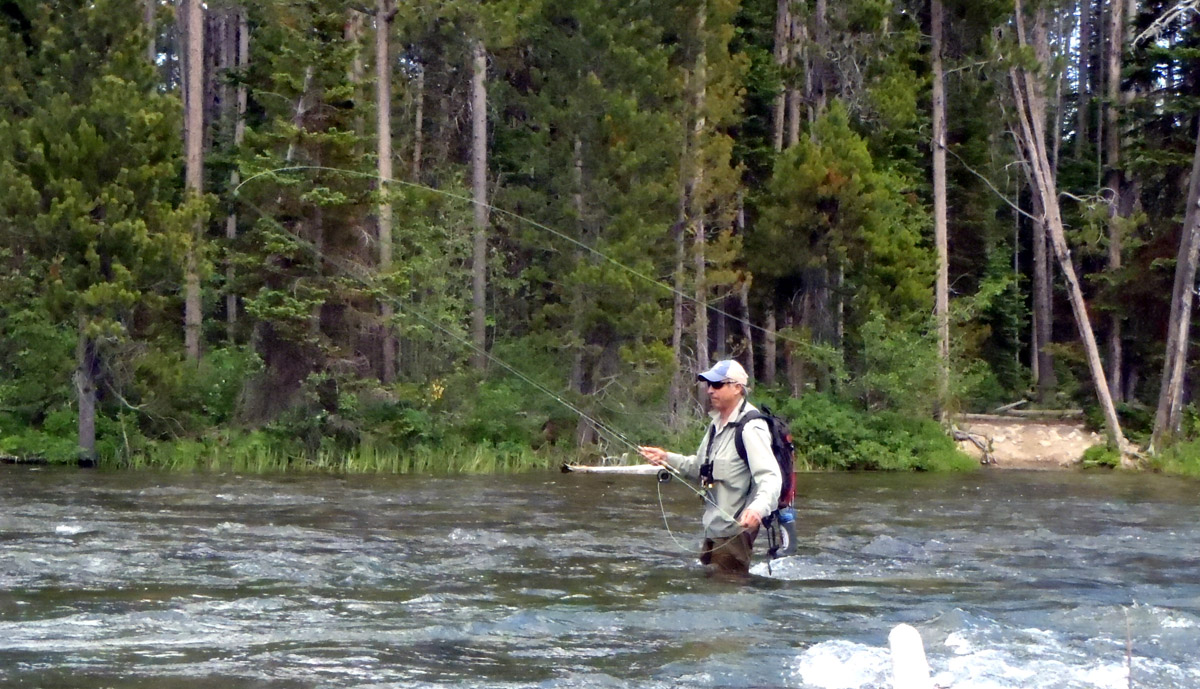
(1015, 580)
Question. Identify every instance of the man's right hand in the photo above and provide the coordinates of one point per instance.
(654, 455)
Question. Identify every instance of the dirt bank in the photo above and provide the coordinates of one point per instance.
(1018, 443)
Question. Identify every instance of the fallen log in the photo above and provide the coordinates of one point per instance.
(631, 470)
(982, 442)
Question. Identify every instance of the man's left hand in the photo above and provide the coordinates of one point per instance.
(750, 520)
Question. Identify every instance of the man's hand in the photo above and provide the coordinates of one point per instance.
(655, 455)
(750, 520)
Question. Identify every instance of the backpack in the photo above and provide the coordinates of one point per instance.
(781, 523)
(781, 447)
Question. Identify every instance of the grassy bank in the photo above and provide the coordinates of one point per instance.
(258, 453)
(1182, 459)
(830, 435)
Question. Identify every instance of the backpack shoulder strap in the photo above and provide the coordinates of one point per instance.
(740, 444)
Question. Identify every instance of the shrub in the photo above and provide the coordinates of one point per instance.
(830, 434)
(1101, 456)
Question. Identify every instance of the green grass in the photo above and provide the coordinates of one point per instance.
(257, 453)
(1181, 459)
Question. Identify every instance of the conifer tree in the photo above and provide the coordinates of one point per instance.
(89, 156)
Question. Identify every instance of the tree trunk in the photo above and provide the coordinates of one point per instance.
(747, 329)
(194, 169)
(239, 135)
(1043, 315)
(1169, 414)
(795, 372)
(150, 19)
(942, 289)
(1084, 100)
(384, 12)
(678, 386)
(769, 344)
(696, 205)
(1114, 178)
(418, 124)
(782, 53)
(1030, 100)
(85, 390)
(802, 52)
(820, 61)
(583, 429)
(479, 195)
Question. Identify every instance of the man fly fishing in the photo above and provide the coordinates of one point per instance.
(739, 494)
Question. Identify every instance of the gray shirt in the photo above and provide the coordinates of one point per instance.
(737, 485)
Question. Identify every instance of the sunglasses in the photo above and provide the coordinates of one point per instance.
(718, 386)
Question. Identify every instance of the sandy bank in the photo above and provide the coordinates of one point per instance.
(1018, 443)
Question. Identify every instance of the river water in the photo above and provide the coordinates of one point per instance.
(1014, 579)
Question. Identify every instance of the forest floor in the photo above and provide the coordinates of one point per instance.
(1018, 443)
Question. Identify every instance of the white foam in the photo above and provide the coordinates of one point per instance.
(841, 664)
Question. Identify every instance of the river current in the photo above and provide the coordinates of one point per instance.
(1030, 580)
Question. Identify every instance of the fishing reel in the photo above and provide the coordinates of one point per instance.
(664, 476)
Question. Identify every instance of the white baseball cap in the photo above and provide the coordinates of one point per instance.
(726, 370)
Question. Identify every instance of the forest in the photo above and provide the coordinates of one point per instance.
(483, 235)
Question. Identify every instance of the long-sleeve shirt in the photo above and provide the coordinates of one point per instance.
(737, 485)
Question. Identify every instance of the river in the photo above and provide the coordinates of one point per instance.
(1030, 580)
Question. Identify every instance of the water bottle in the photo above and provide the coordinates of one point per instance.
(787, 515)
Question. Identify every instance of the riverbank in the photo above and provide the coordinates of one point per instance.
(1018, 443)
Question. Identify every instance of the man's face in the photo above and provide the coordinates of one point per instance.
(724, 397)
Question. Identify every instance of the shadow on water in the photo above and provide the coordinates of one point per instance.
(1014, 579)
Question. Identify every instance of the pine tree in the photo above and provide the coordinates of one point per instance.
(89, 163)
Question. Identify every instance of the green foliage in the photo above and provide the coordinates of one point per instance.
(35, 364)
(178, 398)
(831, 206)
(1137, 420)
(590, 153)
(1182, 459)
(1098, 456)
(834, 435)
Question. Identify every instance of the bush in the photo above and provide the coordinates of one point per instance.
(830, 434)
(1101, 456)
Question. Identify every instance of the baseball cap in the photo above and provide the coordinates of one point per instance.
(727, 369)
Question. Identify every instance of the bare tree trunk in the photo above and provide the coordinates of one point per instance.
(747, 330)
(85, 391)
(418, 124)
(839, 305)
(479, 194)
(1169, 414)
(194, 169)
(1114, 179)
(769, 345)
(942, 289)
(782, 53)
(583, 429)
(696, 205)
(820, 63)
(1030, 100)
(795, 372)
(678, 387)
(239, 135)
(1084, 100)
(799, 54)
(150, 18)
(1043, 316)
(385, 10)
